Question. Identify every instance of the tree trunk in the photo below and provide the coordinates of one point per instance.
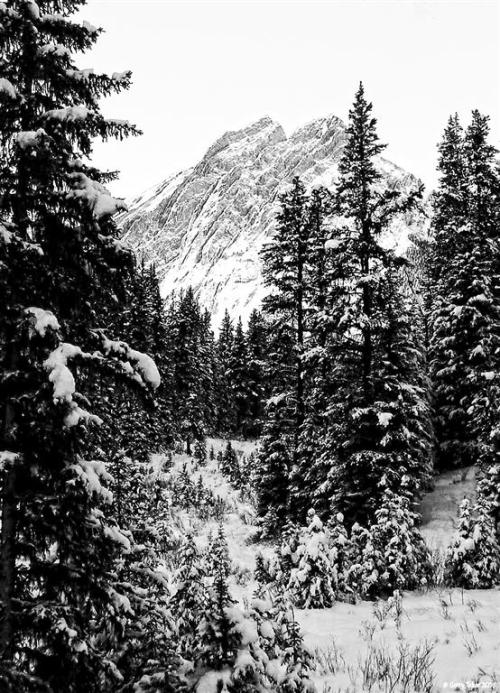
(7, 564)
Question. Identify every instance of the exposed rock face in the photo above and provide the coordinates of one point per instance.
(204, 227)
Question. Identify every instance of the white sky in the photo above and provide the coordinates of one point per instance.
(202, 67)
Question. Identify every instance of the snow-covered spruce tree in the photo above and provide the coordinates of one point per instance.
(284, 263)
(189, 600)
(310, 472)
(392, 552)
(217, 641)
(286, 557)
(256, 338)
(187, 328)
(217, 554)
(379, 411)
(229, 465)
(465, 322)
(297, 658)
(341, 554)
(312, 581)
(243, 651)
(63, 611)
(473, 559)
(488, 488)
(238, 367)
(225, 402)
(200, 452)
(273, 466)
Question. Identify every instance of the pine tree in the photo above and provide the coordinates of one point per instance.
(284, 266)
(307, 484)
(240, 386)
(465, 319)
(473, 559)
(256, 339)
(63, 607)
(311, 584)
(393, 553)
(341, 555)
(218, 641)
(200, 452)
(225, 404)
(488, 488)
(378, 408)
(187, 327)
(189, 599)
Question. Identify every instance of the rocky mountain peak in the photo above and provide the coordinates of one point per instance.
(205, 226)
(258, 135)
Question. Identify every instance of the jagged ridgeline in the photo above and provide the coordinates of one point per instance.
(205, 227)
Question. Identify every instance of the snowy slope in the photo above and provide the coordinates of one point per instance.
(205, 226)
(366, 646)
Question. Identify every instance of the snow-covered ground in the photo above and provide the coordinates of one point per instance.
(433, 640)
(439, 507)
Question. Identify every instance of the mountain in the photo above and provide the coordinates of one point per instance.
(205, 226)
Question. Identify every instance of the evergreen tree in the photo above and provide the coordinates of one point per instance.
(378, 406)
(311, 583)
(187, 329)
(189, 600)
(64, 609)
(256, 338)
(284, 266)
(466, 319)
(200, 452)
(217, 638)
(488, 488)
(226, 419)
(473, 559)
(229, 464)
(317, 360)
(393, 553)
(238, 376)
(341, 554)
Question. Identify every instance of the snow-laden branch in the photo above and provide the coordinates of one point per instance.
(70, 114)
(7, 459)
(94, 195)
(7, 88)
(92, 472)
(64, 386)
(29, 139)
(43, 320)
(142, 363)
(9, 237)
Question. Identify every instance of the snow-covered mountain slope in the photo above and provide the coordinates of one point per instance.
(205, 226)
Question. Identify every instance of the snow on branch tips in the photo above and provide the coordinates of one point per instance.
(91, 472)
(95, 195)
(28, 139)
(7, 89)
(7, 459)
(70, 114)
(143, 364)
(90, 27)
(64, 386)
(43, 320)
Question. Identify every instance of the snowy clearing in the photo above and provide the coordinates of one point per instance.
(359, 647)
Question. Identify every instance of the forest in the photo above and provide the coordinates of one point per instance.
(363, 376)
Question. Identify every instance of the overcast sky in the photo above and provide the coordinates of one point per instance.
(204, 67)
